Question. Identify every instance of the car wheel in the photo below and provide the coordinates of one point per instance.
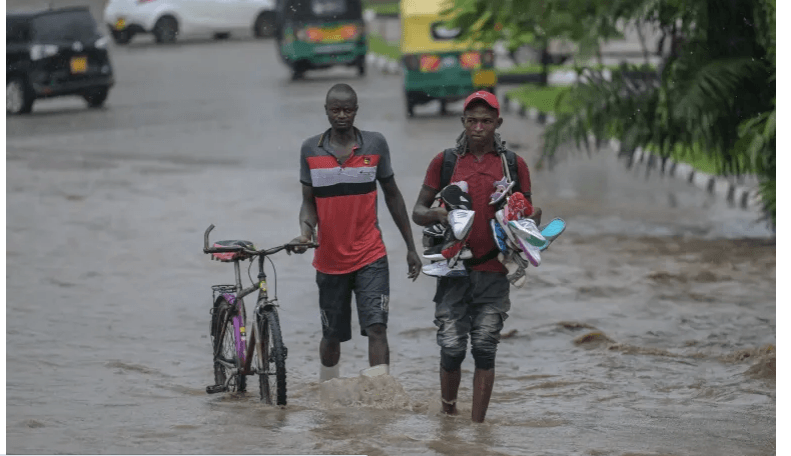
(443, 107)
(96, 97)
(361, 66)
(18, 98)
(166, 29)
(222, 36)
(264, 26)
(122, 36)
(410, 105)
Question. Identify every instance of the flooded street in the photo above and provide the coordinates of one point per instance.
(648, 329)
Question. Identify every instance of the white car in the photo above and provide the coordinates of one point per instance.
(167, 19)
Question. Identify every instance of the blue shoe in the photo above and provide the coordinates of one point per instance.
(499, 235)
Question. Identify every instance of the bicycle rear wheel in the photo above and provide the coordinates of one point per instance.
(225, 342)
(273, 353)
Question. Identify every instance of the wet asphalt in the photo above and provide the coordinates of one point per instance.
(108, 290)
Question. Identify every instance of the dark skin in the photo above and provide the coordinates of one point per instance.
(480, 123)
(341, 109)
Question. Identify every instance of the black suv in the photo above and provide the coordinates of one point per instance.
(54, 53)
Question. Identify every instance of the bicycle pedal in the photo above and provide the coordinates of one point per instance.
(214, 389)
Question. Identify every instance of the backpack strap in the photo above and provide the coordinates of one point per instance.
(449, 159)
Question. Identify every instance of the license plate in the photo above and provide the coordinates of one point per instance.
(484, 78)
(79, 64)
(334, 48)
(120, 24)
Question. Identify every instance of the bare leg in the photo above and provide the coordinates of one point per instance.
(378, 350)
(482, 384)
(330, 351)
(449, 387)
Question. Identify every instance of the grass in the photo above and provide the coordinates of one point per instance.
(544, 99)
(382, 8)
(378, 45)
(535, 68)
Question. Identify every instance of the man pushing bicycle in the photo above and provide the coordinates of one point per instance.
(338, 171)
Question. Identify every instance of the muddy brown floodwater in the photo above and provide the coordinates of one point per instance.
(649, 328)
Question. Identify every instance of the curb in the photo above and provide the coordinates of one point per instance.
(384, 64)
(733, 191)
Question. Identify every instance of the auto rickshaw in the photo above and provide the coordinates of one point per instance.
(316, 34)
(437, 66)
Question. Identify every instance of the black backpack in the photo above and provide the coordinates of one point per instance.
(449, 165)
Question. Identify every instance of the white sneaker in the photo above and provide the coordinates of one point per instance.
(442, 269)
(461, 222)
(527, 230)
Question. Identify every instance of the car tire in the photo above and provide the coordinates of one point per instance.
(410, 106)
(96, 97)
(122, 37)
(222, 36)
(166, 29)
(264, 26)
(19, 97)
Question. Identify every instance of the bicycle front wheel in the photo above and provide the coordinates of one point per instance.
(226, 342)
(272, 378)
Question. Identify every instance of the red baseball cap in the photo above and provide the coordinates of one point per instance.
(487, 98)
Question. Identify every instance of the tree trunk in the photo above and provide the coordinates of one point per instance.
(545, 60)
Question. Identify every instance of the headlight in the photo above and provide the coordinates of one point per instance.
(101, 43)
(39, 51)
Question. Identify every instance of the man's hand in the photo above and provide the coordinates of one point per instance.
(414, 263)
(441, 214)
(536, 215)
(301, 239)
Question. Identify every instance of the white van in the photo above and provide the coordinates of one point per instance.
(168, 19)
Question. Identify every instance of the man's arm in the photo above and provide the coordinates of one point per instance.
(423, 214)
(308, 219)
(397, 207)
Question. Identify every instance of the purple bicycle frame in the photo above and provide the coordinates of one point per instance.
(238, 327)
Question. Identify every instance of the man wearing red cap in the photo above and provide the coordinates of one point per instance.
(475, 305)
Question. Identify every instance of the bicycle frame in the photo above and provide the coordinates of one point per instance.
(246, 350)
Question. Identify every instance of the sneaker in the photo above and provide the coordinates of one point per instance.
(450, 248)
(462, 185)
(461, 222)
(499, 235)
(441, 269)
(500, 216)
(526, 230)
(433, 235)
(516, 269)
(552, 230)
(529, 253)
(518, 207)
(455, 198)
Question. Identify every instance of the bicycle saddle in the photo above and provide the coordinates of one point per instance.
(230, 256)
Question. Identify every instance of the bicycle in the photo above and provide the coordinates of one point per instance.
(234, 357)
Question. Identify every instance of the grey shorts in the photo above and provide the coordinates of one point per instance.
(371, 287)
(474, 306)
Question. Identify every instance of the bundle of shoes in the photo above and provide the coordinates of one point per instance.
(447, 245)
(516, 236)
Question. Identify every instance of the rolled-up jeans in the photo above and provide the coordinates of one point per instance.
(476, 307)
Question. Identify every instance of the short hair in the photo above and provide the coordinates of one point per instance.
(341, 89)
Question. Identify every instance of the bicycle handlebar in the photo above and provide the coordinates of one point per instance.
(264, 252)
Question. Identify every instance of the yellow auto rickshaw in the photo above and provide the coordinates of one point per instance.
(438, 66)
